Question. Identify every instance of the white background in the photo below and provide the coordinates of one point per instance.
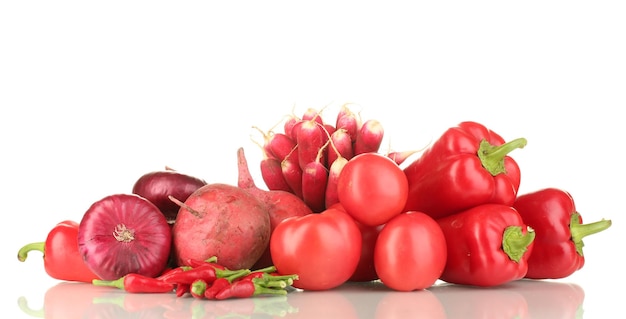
(93, 95)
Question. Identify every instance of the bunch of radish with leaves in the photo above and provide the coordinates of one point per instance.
(305, 155)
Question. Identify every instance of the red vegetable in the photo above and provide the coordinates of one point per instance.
(342, 143)
(311, 138)
(157, 186)
(279, 205)
(122, 234)
(487, 245)
(314, 182)
(198, 287)
(369, 137)
(224, 221)
(410, 252)
(322, 249)
(365, 269)
(206, 272)
(467, 166)
(558, 248)
(61, 257)
(348, 121)
(272, 174)
(216, 287)
(293, 175)
(332, 192)
(372, 188)
(400, 157)
(250, 288)
(136, 283)
(182, 289)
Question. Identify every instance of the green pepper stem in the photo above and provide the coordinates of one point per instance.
(23, 252)
(231, 275)
(492, 157)
(268, 269)
(117, 283)
(515, 243)
(578, 231)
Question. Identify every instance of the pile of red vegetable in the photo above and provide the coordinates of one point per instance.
(335, 210)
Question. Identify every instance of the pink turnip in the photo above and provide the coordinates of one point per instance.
(224, 221)
(279, 204)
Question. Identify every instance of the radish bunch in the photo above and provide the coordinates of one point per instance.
(306, 157)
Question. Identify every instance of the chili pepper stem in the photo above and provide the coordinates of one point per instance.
(492, 157)
(515, 242)
(23, 252)
(117, 283)
(233, 275)
(579, 231)
(268, 269)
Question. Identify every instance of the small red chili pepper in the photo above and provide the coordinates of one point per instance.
(136, 283)
(487, 245)
(466, 167)
(216, 286)
(61, 257)
(197, 288)
(206, 272)
(558, 250)
(246, 289)
(170, 272)
(211, 261)
(182, 289)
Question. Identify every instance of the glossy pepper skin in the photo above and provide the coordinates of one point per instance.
(558, 250)
(465, 167)
(61, 257)
(488, 245)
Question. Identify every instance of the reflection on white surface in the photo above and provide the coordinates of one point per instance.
(521, 299)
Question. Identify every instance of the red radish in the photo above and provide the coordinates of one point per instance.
(158, 185)
(311, 138)
(369, 137)
(331, 196)
(224, 221)
(272, 174)
(348, 121)
(312, 114)
(281, 145)
(365, 270)
(279, 204)
(342, 143)
(314, 181)
(295, 130)
(292, 174)
(291, 121)
(265, 146)
(122, 234)
(400, 156)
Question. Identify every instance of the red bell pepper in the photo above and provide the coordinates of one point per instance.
(488, 245)
(467, 166)
(61, 257)
(560, 230)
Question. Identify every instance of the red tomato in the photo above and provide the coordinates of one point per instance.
(322, 249)
(372, 188)
(410, 252)
(365, 270)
